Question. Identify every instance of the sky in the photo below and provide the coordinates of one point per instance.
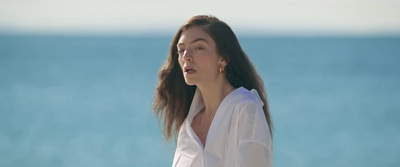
(270, 17)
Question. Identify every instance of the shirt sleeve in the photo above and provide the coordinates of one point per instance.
(254, 139)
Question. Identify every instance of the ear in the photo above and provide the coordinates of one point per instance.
(222, 62)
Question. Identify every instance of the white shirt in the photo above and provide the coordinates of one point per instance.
(238, 135)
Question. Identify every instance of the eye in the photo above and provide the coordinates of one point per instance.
(181, 51)
(199, 48)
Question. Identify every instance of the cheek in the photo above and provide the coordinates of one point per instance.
(179, 61)
(210, 61)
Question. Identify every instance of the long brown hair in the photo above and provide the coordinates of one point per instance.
(174, 96)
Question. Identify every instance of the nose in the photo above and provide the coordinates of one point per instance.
(187, 56)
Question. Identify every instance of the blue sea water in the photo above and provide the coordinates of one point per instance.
(71, 101)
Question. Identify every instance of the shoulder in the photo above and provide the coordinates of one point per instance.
(247, 104)
(244, 97)
(249, 117)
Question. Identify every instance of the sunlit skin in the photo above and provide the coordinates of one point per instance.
(197, 51)
(200, 64)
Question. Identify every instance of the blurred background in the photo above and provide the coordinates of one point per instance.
(77, 79)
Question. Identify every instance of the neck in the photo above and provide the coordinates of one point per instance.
(213, 94)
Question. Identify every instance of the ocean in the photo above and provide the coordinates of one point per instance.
(82, 101)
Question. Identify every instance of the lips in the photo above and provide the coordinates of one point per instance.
(188, 70)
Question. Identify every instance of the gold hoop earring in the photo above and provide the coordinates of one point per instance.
(221, 69)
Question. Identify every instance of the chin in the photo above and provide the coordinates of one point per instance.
(189, 82)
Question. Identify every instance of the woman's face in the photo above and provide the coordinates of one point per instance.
(198, 57)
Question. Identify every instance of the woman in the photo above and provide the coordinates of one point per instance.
(208, 98)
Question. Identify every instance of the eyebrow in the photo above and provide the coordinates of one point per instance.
(196, 40)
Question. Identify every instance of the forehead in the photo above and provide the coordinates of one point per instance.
(194, 33)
